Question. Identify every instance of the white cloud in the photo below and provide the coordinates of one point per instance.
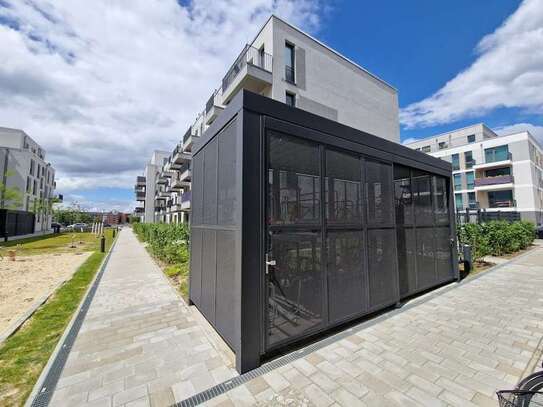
(409, 140)
(536, 131)
(507, 73)
(102, 84)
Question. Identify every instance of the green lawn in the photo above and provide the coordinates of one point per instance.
(23, 355)
(60, 243)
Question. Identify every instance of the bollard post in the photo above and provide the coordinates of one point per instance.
(103, 244)
(114, 229)
(468, 260)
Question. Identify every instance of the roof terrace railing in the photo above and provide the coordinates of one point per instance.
(249, 55)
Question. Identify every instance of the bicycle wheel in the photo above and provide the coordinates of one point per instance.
(534, 382)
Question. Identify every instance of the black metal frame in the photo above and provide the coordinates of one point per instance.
(251, 116)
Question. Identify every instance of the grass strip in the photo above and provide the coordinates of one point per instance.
(55, 243)
(24, 355)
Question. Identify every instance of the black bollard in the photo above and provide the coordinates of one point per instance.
(103, 244)
(114, 230)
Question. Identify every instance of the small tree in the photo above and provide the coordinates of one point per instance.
(10, 197)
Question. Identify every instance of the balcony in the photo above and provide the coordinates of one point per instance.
(213, 107)
(185, 173)
(495, 161)
(252, 70)
(179, 156)
(188, 141)
(470, 164)
(140, 181)
(507, 203)
(139, 210)
(140, 195)
(185, 201)
(494, 183)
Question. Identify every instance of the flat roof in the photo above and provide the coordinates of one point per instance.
(451, 131)
(324, 46)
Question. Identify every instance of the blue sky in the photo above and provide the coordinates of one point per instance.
(82, 78)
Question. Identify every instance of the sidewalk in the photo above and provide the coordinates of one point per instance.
(456, 349)
(139, 344)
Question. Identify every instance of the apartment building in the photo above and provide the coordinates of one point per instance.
(285, 64)
(492, 172)
(146, 189)
(23, 165)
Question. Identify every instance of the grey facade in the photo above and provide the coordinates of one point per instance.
(301, 224)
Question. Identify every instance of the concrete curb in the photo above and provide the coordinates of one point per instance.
(14, 326)
(38, 386)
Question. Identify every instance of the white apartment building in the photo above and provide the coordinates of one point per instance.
(23, 167)
(290, 66)
(492, 172)
(146, 188)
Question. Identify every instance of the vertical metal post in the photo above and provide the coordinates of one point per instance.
(103, 244)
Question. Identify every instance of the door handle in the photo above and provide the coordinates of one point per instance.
(269, 263)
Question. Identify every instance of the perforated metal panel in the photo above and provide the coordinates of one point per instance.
(383, 281)
(346, 274)
(225, 299)
(228, 201)
(379, 193)
(407, 267)
(426, 270)
(210, 183)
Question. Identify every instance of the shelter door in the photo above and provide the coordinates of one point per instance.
(294, 270)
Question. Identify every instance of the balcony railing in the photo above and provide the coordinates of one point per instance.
(289, 74)
(470, 163)
(252, 56)
(503, 204)
(186, 197)
(186, 136)
(140, 180)
(501, 179)
(492, 157)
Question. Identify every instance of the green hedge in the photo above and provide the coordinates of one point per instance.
(497, 237)
(168, 242)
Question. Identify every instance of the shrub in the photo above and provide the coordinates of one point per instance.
(168, 242)
(496, 237)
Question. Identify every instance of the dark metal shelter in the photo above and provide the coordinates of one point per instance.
(301, 224)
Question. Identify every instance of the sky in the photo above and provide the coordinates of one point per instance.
(101, 84)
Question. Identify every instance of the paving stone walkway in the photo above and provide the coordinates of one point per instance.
(139, 344)
(456, 349)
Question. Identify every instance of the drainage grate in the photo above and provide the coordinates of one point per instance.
(43, 398)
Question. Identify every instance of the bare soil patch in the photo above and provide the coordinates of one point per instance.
(29, 278)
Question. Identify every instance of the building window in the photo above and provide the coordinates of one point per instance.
(28, 184)
(471, 200)
(426, 149)
(289, 63)
(468, 158)
(500, 199)
(470, 180)
(32, 167)
(494, 154)
(290, 99)
(471, 138)
(457, 181)
(458, 201)
(442, 145)
(34, 188)
(498, 172)
(455, 162)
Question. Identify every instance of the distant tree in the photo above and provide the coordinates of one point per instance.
(10, 197)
